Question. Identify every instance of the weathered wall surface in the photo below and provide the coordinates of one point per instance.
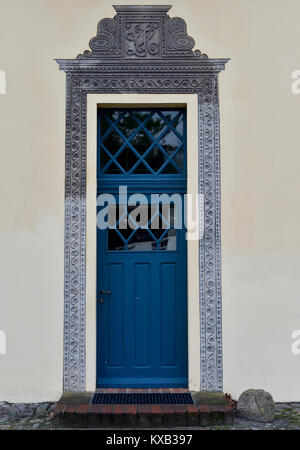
(260, 193)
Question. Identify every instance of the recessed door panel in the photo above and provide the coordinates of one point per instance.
(115, 315)
(168, 314)
(142, 324)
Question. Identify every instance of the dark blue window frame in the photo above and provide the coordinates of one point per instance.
(145, 181)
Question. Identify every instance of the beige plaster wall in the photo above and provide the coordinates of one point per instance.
(260, 187)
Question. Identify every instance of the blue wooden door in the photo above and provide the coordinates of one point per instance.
(142, 271)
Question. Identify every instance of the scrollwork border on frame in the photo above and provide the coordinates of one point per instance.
(170, 77)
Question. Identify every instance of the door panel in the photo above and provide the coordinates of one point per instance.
(115, 315)
(168, 314)
(142, 303)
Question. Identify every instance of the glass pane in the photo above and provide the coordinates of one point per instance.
(157, 235)
(115, 242)
(126, 233)
(141, 168)
(113, 168)
(178, 124)
(127, 159)
(155, 125)
(169, 169)
(155, 158)
(104, 119)
(104, 158)
(113, 142)
(127, 125)
(170, 142)
(112, 115)
(142, 241)
(168, 242)
(141, 115)
(165, 218)
(141, 142)
(170, 115)
(179, 159)
(104, 125)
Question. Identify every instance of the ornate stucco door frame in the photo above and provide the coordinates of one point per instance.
(142, 50)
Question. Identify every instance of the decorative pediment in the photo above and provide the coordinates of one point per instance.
(142, 32)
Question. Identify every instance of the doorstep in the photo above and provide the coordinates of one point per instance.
(74, 409)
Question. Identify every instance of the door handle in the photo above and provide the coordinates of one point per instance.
(102, 292)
